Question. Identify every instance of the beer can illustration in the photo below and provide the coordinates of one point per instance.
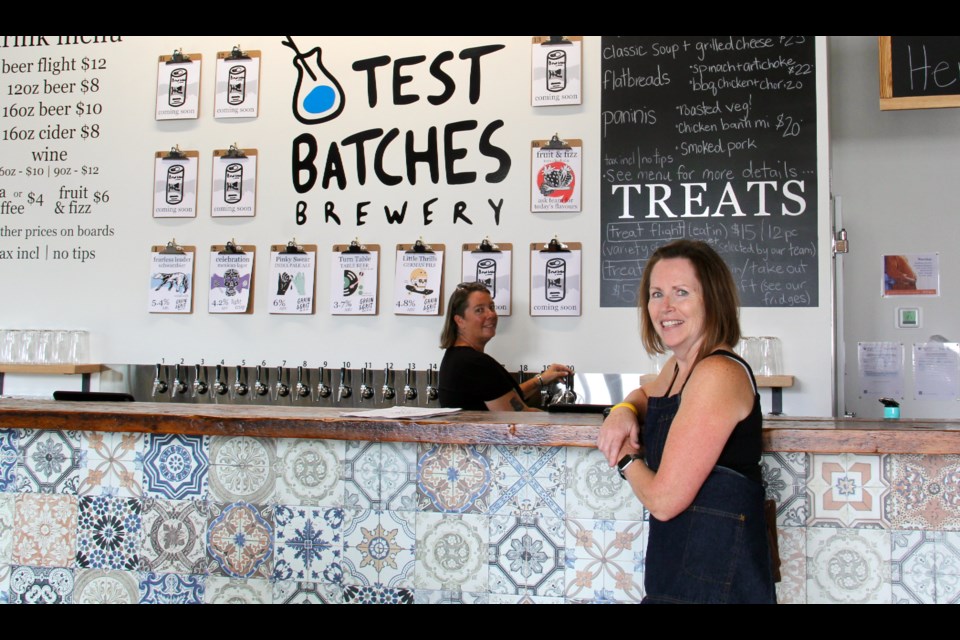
(236, 84)
(487, 275)
(233, 183)
(556, 70)
(175, 184)
(556, 284)
(177, 93)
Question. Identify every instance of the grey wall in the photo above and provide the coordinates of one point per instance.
(896, 173)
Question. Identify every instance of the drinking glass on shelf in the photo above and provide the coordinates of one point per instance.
(44, 348)
(771, 356)
(750, 351)
(79, 351)
(61, 346)
(28, 346)
(9, 345)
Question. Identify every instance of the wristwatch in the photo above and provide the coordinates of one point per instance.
(625, 462)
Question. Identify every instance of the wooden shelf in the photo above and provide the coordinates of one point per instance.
(52, 369)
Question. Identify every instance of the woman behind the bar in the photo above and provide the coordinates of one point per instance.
(699, 472)
(469, 378)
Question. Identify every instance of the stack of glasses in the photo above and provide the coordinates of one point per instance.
(44, 346)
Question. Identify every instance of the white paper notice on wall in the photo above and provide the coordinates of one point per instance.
(234, 189)
(231, 280)
(171, 280)
(555, 280)
(418, 281)
(555, 175)
(175, 184)
(293, 272)
(557, 64)
(354, 280)
(238, 84)
(936, 371)
(880, 369)
(493, 267)
(178, 87)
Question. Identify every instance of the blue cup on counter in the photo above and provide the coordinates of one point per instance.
(891, 409)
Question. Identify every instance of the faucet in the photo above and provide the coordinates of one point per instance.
(432, 391)
(344, 391)
(240, 388)
(366, 391)
(388, 392)
(569, 396)
(409, 392)
(220, 383)
(159, 385)
(199, 386)
(322, 389)
(303, 388)
(260, 386)
(179, 385)
(283, 389)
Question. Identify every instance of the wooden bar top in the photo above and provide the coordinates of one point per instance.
(813, 435)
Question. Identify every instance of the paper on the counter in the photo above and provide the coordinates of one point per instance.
(399, 413)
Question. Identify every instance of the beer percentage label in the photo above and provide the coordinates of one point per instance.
(353, 283)
(171, 283)
(291, 282)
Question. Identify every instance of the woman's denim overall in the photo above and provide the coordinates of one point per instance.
(716, 551)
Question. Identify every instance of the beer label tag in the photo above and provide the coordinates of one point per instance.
(175, 185)
(238, 86)
(178, 88)
(557, 70)
(494, 270)
(555, 283)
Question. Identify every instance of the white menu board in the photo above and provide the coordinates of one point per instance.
(555, 282)
(417, 287)
(292, 277)
(231, 281)
(238, 86)
(171, 282)
(492, 268)
(354, 278)
(234, 190)
(178, 88)
(175, 185)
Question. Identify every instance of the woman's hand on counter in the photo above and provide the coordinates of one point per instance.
(622, 427)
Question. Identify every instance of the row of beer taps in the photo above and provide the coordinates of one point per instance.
(181, 386)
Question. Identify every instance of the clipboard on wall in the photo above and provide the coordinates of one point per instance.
(491, 264)
(231, 278)
(355, 279)
(555, 278)
(293, 278)
(172, 278)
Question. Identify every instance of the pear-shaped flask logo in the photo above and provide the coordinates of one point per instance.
(318, 96)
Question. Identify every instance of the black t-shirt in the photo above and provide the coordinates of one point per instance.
(469, 378)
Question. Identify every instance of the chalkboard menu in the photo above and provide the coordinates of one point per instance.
(711, 138)
(919, 72)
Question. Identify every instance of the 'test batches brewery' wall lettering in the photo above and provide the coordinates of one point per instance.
(459, 153)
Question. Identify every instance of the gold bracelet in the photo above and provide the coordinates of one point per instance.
(628, 405)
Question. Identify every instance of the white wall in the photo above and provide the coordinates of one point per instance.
(108, 294)
(896, 173)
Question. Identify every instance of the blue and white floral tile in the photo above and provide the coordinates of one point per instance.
(234, 591)
(377, 594)
(527, 556)
(112, 464)
(242, 468)
(171, 588)
(109, 533)
(913, 566)
(497, 598)
(450, 596)
(948, 568)
(240, 540)
(399, 457)
(398, 491)
(785, 477)
(174, 536)
(48, 461)
(528, 481)
(41, 585)
(792, 588)
(176, 467)
(595, 490)
(451, 552)
(847, 490)
(380, 550)
(604, 560)
(8, 459)
(99, 586)
(454, 478)
(849, 566)
(309, 544)
(310, 472)
(7, 510)
(4, 583)
(45, 530)
(292, 592)
(361, 474)
(924, 492)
